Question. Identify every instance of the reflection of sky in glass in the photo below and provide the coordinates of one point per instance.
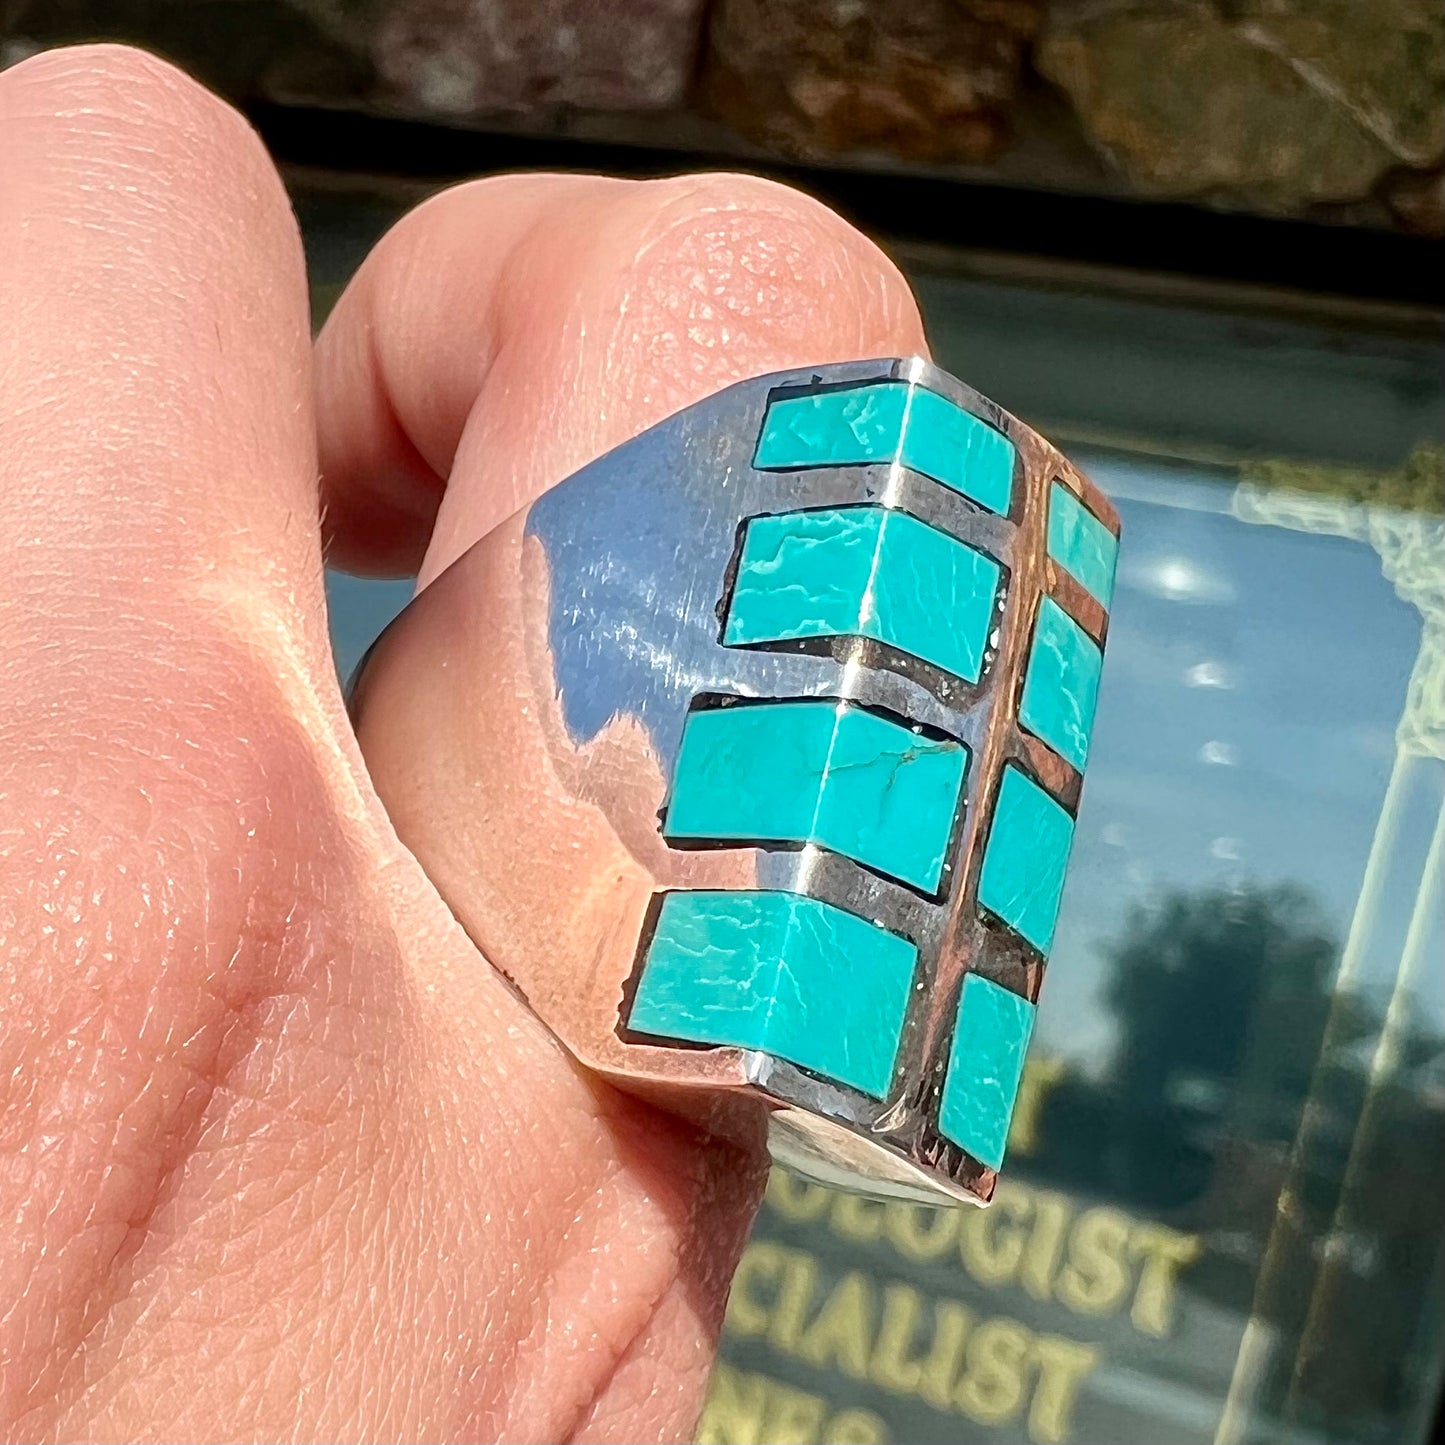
(360, 608)
(1245, 728)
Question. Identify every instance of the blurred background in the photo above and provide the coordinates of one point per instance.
(1196, 242)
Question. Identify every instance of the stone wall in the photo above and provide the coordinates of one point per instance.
(1331, 109)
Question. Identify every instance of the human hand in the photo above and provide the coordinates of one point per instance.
(280, 1156)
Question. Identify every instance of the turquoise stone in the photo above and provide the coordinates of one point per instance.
(882, 421)
(869, 572)
(948, 444)
(819, 772)
(1081, 544)
(984, 1068)
(1061, 686)
(1022, 879)
(792, 976)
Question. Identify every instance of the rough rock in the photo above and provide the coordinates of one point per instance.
(928, 80)
(528, 57)
(1417, 200)
(1283, 102)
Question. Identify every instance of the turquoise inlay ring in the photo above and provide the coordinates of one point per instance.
(795, 693)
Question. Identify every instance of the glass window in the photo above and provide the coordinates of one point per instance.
(1220, 1217)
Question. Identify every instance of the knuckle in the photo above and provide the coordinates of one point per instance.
(773, 232)
(175, 973)
(732, 275)
(167, 858)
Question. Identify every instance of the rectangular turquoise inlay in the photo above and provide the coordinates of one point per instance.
(1081, 544)
(792, 976)
(1022, 879)
(984, 1068)
(881, 421)
(1061, 686)
(819, 772)
(866, 572)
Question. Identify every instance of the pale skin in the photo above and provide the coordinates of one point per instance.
(281, 1158)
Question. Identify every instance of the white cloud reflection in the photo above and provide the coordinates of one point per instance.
(1210, 673)
(1177, 578)
(1218, 753)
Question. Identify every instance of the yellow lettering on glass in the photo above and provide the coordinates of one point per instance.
(992, 1240)
(800, 1281)
(893, 1365)
(749, 1409)
(920, 1233)
(735, 1412)
(794, 1416)
(857, 1218)
(1063, 1367)
(761, 1264)
(1093, 1263)
(1165, 1252)
(939, 1376)
(897, 1338)
(797, 1199)
(854, 1427)
(992, 1388)
(1096, 1276)
(839, 1337)
(1051, 1221)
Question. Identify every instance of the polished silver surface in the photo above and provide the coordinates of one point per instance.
(642, 546)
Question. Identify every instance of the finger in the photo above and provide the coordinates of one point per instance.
(606, 305)
(167, 770)
(510, 330)
(154, 360)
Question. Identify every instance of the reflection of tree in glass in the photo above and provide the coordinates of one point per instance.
(1221, 999)
(1227, 1024)
(1357, 1292)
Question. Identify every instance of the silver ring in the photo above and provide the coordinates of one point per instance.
(766, 733)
